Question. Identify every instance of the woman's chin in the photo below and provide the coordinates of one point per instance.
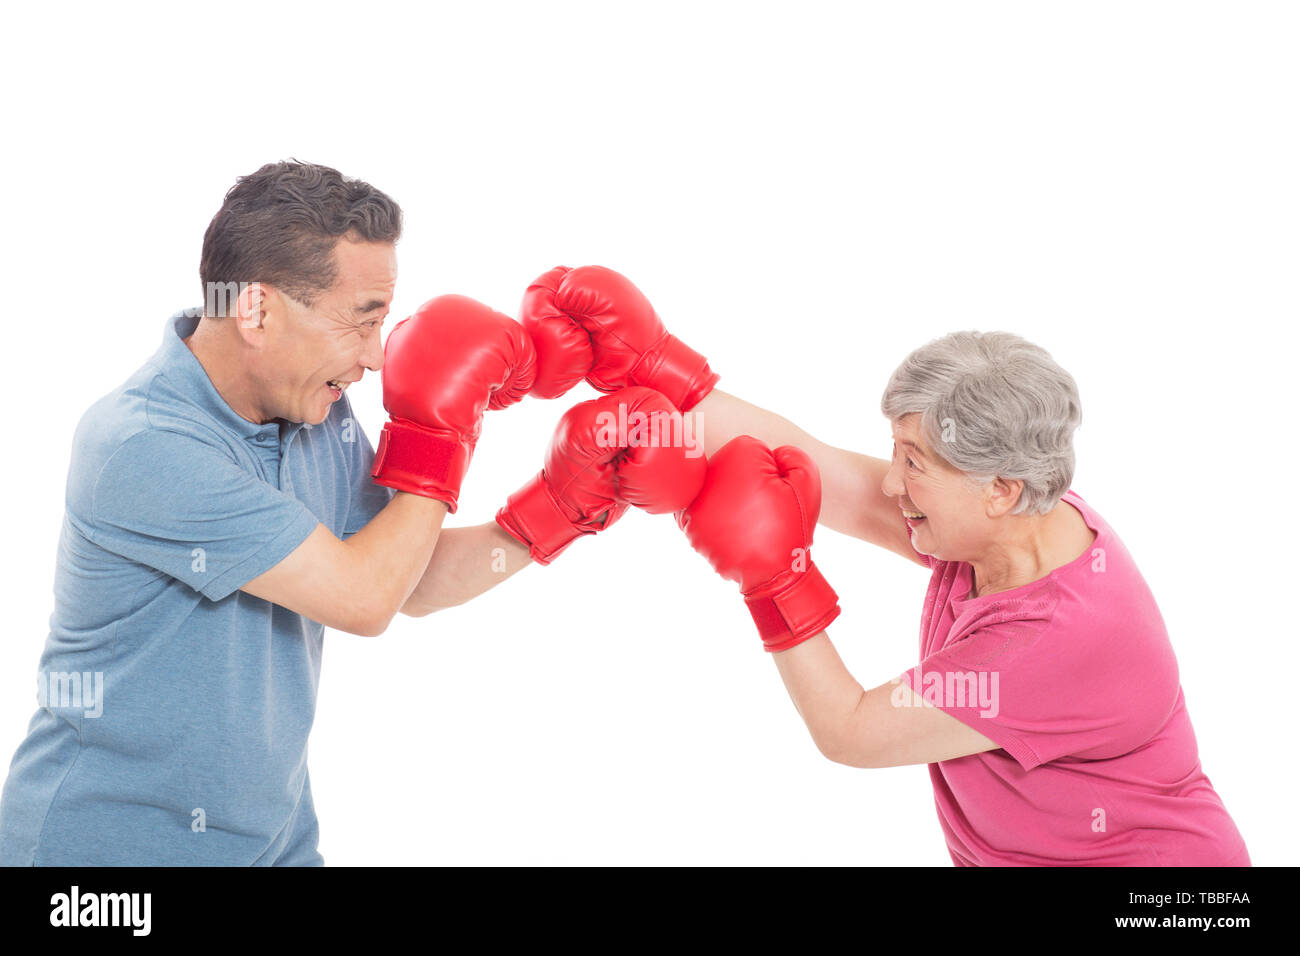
(923, 540)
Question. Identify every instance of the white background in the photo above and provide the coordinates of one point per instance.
(805, 197)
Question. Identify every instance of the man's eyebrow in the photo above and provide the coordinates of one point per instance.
(912, 445)
(372, 306)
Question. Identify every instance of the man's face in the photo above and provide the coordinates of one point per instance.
(312, 353)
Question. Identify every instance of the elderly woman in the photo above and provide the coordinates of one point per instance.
(1047, 699)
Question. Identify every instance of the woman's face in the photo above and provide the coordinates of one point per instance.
(947, 512)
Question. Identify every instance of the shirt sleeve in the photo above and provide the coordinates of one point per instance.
(366, 499)
(970, 682)
(178, 505)
(1042, 688)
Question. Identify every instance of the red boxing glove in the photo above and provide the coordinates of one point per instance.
(620, 449)
(754, 522)
(593, 322)
(442, 367)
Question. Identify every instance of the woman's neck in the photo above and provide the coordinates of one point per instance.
(1032, 547)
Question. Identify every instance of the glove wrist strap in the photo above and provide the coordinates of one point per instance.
(676, 370)
(792, 607)
(533, 517)
(423, 461)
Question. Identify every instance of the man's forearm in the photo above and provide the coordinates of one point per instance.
(465, 563)
(359, 584)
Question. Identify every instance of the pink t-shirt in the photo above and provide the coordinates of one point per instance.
(1074, 678)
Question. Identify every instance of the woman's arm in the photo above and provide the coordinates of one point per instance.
(889, 726)
(593, 321)
(852, 500)
(753, 521)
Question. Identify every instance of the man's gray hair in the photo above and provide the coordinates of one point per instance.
(280, 225)
(993, 405)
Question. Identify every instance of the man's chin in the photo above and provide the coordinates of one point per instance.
(315, 418)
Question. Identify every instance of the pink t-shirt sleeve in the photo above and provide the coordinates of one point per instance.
(1044, 683)
(1077, 664)
(1073, 677)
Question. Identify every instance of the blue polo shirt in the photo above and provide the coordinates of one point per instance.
(174, 708)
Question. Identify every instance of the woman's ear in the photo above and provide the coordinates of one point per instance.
(1002, 495)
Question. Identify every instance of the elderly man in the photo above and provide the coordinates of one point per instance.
(223, 507)
(1047, 701)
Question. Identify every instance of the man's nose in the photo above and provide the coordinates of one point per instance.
(373, 358)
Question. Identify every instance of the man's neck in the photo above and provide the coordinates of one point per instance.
(226, 368)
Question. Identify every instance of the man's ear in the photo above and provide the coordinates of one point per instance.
(250, 312)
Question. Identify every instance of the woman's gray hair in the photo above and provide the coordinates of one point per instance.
(993, 405)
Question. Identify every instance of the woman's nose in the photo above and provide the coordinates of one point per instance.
(892, 483)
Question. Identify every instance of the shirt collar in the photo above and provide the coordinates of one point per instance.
(184, 368)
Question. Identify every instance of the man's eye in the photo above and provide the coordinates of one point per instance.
(910, 463)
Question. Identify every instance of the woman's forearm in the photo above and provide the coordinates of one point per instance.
(824, 693)
(720, 417)
(853, 502)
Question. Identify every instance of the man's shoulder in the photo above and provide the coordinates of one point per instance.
(147, 401)
(144, 418)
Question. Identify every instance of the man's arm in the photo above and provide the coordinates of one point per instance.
(852, 500)
(889, 726)
(586, 483)
(443, 367)
(358, 585)
(465, 563)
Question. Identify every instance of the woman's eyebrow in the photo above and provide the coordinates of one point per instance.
(912, 445)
